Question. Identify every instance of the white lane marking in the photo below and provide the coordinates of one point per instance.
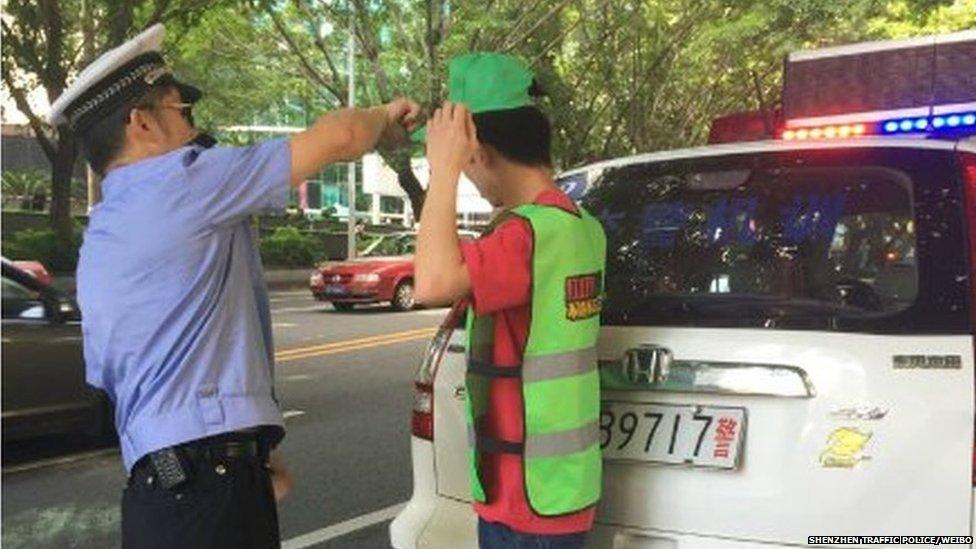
(347, 527)
(298, 377)
(283, 325)
(285, 299)
(433, 312)
(288, 414)
(282, 295)
(321, 307)
(66, 460)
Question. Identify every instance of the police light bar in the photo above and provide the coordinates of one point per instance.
(924, 85)
(946, 124)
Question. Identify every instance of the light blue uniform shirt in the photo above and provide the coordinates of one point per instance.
(175, 312)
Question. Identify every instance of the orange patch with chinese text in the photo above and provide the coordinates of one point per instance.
(584, 296)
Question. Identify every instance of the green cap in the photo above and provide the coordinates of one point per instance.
(486, 82)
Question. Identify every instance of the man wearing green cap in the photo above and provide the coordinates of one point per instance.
(534, 285)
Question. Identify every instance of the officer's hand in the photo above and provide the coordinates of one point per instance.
(402, 118)
(281, 479)
(451, 139)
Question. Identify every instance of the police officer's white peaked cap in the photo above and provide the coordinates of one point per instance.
(119, 75)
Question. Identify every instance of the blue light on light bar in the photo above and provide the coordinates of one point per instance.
(934, 124)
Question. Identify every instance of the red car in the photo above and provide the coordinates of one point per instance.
(383, 272)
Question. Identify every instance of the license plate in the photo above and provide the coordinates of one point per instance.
(335, 289)
(701, 436)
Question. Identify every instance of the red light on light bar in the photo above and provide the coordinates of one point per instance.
(828, 132)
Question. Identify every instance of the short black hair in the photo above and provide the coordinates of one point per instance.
(104, 139)
(522, 135)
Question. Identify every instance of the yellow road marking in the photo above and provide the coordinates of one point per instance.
(326, 346)
(353, 344)
(357, 347)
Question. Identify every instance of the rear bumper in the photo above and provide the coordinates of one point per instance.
(354, 293)
(431, 521)
(451, 523)
(349, 298)
(445, 522)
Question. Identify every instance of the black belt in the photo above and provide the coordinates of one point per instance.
(204, 451)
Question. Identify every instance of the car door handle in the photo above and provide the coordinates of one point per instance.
(455, 348)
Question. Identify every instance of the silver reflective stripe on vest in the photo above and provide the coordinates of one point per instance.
(563, 442)
(547, 367)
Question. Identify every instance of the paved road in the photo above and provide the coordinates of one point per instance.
(344, 380)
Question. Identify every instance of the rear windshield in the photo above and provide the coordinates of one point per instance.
(856, 239)
(574, 185)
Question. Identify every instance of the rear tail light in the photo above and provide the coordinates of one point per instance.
(968, 163)
(422, 417)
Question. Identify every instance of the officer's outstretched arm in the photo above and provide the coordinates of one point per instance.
(347, 134)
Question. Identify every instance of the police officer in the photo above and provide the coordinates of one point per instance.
(176, 320)
(534, 283)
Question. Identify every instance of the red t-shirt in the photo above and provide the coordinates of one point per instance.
(500, 267)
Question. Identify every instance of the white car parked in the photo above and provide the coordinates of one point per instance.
(787, 351)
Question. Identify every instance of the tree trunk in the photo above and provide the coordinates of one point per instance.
(400, 162)
(61, 167)
(409, 182)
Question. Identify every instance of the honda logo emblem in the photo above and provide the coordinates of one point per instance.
(647, 364)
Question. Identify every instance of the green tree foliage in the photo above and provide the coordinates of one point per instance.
(289, 247)
(652, 75)
(25, 190)
(622, 76)
(47, 42)
(44, 245)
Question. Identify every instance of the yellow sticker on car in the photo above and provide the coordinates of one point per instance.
(845, 448)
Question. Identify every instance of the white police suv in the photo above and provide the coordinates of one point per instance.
(787, 352)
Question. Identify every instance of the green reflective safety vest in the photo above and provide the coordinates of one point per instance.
(560, 384)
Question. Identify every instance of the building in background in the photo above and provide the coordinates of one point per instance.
(379, 180)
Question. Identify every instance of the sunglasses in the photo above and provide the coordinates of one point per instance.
(186, 109)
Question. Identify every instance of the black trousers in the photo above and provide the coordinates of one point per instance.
(227, 503)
